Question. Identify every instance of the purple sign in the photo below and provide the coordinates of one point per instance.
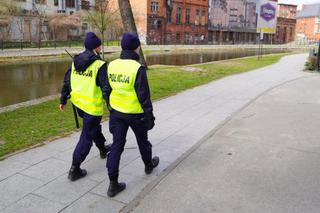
(268, 12)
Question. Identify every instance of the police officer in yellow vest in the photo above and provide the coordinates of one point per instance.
(85, 84)
(130, 106)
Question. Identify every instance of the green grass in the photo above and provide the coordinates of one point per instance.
(33, 125)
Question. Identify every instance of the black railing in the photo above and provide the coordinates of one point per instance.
(47, 44)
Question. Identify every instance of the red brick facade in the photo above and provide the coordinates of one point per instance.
(286, 23)
(171, 21)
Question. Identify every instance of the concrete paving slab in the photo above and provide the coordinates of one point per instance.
(10, 167)
(34, 156)
(33, 204)
(96, 169)
(67, 155)
(16, 187)
(165, 153)
(94, 204)
(62, 144)
(64, 191)
(47, 170)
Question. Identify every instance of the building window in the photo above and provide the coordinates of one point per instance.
(197, 20)
(155, 7)
(169, 16)
(85, 5)
(178, 37)
(203, 17)
(56, 2)
(187, 16)
(233, 16)
(178, 17)
(70, 3)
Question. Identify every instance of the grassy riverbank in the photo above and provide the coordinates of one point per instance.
(33, 125)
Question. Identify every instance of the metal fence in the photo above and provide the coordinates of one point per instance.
(47, 44)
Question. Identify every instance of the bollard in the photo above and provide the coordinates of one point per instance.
(2, 45)
(318, 58)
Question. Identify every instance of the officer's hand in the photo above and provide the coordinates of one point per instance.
(150, 122)
(61, 107)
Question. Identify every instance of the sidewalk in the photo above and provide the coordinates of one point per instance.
(36, 180)
(265, 160)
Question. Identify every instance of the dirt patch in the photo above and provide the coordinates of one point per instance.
(231, 63)
(193, 69)
(1, 142)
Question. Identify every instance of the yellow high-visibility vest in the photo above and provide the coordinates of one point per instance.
(122, 75)
(85, 94)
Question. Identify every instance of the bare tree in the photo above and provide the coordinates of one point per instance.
(8, 10)
(128, 22)
(101, 18)
(61, 24)
(39, 10)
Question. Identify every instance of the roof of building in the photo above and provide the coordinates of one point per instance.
(310, 10)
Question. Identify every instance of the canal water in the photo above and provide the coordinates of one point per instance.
(28, 81)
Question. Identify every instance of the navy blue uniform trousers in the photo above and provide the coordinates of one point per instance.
(91, 132)
(118, 127)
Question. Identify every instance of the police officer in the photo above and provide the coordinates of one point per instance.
(84, 84)
(130, 106)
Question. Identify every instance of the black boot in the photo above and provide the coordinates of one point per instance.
(76, 173)
(154, 163)
(104, 152)
(115, 188)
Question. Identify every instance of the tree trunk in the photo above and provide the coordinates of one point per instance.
(102, 41)
(129, 24)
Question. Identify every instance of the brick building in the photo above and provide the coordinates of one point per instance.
(308, 22)
(26, 26)
(286, 23)
(232, 21)
(186, 21)
(171, 21)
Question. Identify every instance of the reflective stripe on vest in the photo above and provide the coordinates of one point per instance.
(122, 76)
(85, 94)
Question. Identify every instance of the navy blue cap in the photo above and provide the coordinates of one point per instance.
(130, 41)
(92, 41)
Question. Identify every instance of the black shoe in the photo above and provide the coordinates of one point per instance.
(154, 163)
(115, 188)
(105, 151)
(76, 173)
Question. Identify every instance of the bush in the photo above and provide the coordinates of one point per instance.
(311, 64)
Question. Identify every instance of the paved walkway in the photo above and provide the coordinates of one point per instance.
(36, 180)
(266, 159)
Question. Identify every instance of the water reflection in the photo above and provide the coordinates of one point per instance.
(207, 56)
(23, 82)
